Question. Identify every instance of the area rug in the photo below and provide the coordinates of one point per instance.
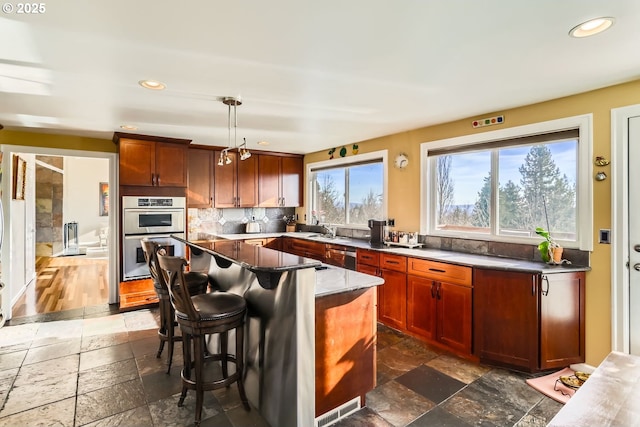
(551, 386)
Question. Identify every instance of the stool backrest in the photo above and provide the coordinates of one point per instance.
(172, 272)
(150, 250)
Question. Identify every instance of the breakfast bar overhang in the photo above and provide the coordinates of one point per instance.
(310, 332)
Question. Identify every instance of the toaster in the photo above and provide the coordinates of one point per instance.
(253, 227)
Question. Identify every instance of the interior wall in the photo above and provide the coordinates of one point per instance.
(81, 202)
(404, 185)
(48, 204)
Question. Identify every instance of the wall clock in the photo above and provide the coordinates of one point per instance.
(401, 161)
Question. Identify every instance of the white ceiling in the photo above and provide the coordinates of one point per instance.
(311, 75)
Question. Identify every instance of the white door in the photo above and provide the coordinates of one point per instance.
(634, 234)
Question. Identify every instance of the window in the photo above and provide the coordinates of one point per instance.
(502, 188)
(348, 191)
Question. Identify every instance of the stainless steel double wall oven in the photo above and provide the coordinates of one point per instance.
(156, 218)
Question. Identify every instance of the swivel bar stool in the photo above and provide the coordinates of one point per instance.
(198, 316)
(196, 282)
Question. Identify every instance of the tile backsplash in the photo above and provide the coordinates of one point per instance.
(233, 221)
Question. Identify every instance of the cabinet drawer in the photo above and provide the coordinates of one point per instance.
(450, 273)
(366, 257)
(393, 262)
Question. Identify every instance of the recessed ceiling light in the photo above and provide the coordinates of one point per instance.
(129, 127)
(263, 143)
(152, 84)
(591, 27)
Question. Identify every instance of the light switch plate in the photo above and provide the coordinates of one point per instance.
(605, 236)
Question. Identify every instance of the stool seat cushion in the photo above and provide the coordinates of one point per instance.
(216, 306)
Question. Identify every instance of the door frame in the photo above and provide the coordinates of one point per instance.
(620, 278)
(114, 207)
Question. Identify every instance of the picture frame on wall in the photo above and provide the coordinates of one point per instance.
(19, 177)
(104, 198)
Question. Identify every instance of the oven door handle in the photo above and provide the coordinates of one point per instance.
(153, 211)
(151, 236)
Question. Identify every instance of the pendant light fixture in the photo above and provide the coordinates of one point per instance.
(225, 159)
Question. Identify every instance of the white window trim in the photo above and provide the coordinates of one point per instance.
(584, 214)
(344, 162)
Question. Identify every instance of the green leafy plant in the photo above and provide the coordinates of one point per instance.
(545, 247)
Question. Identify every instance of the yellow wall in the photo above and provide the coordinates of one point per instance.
(404, 185)
(69, 142)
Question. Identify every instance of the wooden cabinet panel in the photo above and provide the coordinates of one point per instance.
(392, 304)
(505, 318)
(225, 182)
(367, 257)
(562, 318)
(421, 306)
(171, 165)
(137, 162)
(291, 172)
(393, 262)
(449, 273)
(152, 161)
(200, 179)
(454, 310)
(247, 182)
(269, 182)
(280, 181)
(274, 243)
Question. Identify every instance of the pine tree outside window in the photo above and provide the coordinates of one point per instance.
(502, 189)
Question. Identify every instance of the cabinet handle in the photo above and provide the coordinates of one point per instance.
(533, 286)
(437, 270)
(545, 292)
(433, 289)
(282, 202)
(438, 291)
(153, 179)
(157, 179)
(391, 262)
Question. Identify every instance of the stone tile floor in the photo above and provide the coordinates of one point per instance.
(97, 367)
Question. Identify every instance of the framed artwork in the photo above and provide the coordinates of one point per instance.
(104, 198)
(19, 177)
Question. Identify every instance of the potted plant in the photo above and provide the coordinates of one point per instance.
(549, 249)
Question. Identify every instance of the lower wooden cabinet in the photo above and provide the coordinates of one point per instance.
(392, 299)
(529, 321)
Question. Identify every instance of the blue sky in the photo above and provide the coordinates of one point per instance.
(361, 179)
(470, 169)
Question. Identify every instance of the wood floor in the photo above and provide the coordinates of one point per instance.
(65, 283)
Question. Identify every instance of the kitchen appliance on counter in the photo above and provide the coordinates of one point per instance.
(155, 218)
(377, 232)
(253, 227)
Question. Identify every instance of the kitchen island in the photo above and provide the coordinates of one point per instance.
(310, 330)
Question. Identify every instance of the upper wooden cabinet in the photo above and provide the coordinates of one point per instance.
(149, 161)
(200, 178)
(280, 182)
(235, 184)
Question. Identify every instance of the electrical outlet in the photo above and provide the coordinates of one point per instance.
(605, 236)
(391, 222)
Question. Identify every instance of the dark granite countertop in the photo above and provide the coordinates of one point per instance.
(459, 258)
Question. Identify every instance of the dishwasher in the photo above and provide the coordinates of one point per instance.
(340, 256)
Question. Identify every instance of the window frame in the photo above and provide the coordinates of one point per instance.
(584, 183)
(344, 162)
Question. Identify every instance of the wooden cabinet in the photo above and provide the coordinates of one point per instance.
(280, 182)
(529, 321)
(392, 295)
(439, 303)
(200, 178)
(305, 248)
(147, 161)
(235, 184)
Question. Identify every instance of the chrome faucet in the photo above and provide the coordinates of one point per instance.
(330, 230)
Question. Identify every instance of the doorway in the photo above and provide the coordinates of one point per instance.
(625, 259)
(44, 275)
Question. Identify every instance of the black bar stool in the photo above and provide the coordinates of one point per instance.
(196, 282)
(199, 316)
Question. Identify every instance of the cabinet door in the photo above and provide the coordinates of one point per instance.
(562, 319)
(225, 185)
(247, 182)
(171, 165)
(291, 171)
(137, 162)
(454, 316)
(269, 181)
(200, 179)
(421, 306)
(392, 306)
(505, 318)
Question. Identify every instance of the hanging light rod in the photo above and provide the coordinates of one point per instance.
(225, 159)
